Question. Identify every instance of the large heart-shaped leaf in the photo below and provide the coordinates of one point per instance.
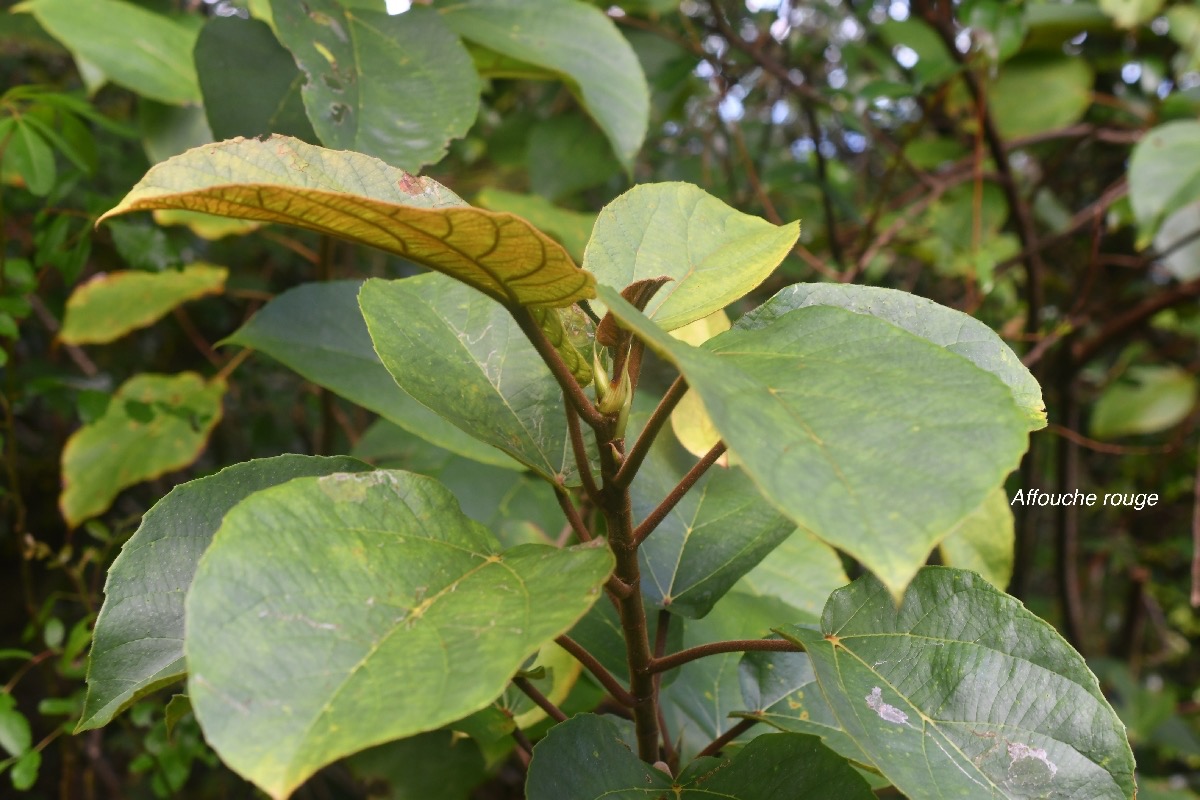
(585, 758)
(464, 357)
(134, 47)
(574, 40)
(877, 441)
(362, 199)
(152, 425)
(250, 81)
(113, 304)
(715, 535)
(713, 253)
(398, 87)
(964, 689)
(331, 614)
(945, 327)
(317, 330)
(137, 646)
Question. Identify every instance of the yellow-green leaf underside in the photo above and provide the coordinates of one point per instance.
(364, 200)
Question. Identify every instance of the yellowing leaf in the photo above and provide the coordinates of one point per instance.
(111, 305)
(364, 200)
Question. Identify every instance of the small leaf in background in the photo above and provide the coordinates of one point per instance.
(206, 226)
(918, 47)
(168, 130)
(566, 37)
(29, 158)
(362, 199)
(15, 734)
(177, 708)
(963, 688)
(1131, 13)
(463, 356)
(984, 541)
(1038, 93)
(585, 758)
(643, 233)
(111, 305)
(147, 52)
(567, 154)
(412, 587)
(154, 424)
(1177, 238)
(138, 642)
(1146, 399)
(571, 229)
(395, 87)
(923, 433)
(318, 330)
(1164, 174)
(430, 766)
(251, 83)
(145, 247)
(25, 771)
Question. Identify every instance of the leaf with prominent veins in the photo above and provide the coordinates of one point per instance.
(363, 200)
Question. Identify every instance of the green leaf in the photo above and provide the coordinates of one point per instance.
(395, 87)
(567, 37)
(877, 441)
(251, 83)
(111, 305)
(29, 156)
(945, 327)
(713, 253)
(934, 63)
(984, 541)
(317, 330)
(964, 689)
(365, 201)
(716, 534)
(137, 647)
(379, 611)
(571, 229)
(1131, 13)
(431, 766)
(1036, 93)
(584, 758)
(16, 737)
(698, 704)
(567, 154)
(154, 424)
(801, 572)
(25, 772)
(1164, 174)
(464, 357)
(1147, 399)
(178, 707)
(136, 48)
(780, 690)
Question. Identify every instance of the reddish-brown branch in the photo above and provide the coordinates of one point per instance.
(716, 648)
(662, 413)
(593, 665)
(715, 747)
(689, 480)
(543, 702)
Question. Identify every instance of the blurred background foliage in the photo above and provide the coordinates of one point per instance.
(1036, 164)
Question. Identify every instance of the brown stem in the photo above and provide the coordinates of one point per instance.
(542, 701)
(558, 368)
(1083, 351)
(572, 515)
(656, 516)
(590, 662)
(660, 647)
(662, 413)
(716, 648)
(1067, 550)
(579, 448)
(1196, 541)
(718, 744)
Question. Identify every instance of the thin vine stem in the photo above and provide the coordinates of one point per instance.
(579, 448)
(718, 744)
(543, 702)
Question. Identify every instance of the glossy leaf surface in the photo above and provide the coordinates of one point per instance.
(398, 87)
(713, 253)
(577, 42)
(317, 330)
(153, 424)
(464, 357)
(877, 441)
(362, 199)
(377, 610)
(963, 689)
(111, 305)
(137, 646)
